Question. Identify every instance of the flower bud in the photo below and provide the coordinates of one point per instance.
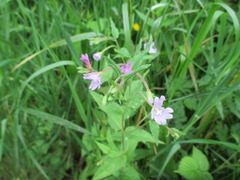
(97, 56)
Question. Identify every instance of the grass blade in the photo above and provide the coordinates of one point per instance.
(210, 141)
(127, 30)
(3, 130)
(35, 162)
(57, 120)
(45, 69)
(75, 38)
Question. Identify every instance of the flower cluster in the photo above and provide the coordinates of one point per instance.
(158, 112)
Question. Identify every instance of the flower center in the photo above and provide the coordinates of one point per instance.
(158, 110)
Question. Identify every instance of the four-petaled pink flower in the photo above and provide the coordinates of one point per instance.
(152, 50)
(95, 78)
(85, 59)
(97, 56)
(126, 69)
(159, 113)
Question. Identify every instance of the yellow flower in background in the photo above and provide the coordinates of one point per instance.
(136, 27)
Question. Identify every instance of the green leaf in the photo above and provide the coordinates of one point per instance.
(3, 131)
(107, 76)
(30, 154)
(188, 168)
(123, 52)
(210, 141)
(55, 119)
(110, 166)
(115, 67)
(140, 135)
(145, 18)
(104, 148)
(128, 76)
(75, 38)
(135, 100)
(130, 148)
(220, 109)
(114, 30)
(130, 173)
(176, 133)
(154, 128)
(172, 150)
(113, 110)
(126, 26)
(191, 103)
(201, 159)
(195, 167)
(45, 69)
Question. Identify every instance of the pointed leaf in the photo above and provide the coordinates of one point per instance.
(201, 159)
(114, 30)
(140, 135)
(109, 167)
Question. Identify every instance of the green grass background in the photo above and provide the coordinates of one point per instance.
(197, 69)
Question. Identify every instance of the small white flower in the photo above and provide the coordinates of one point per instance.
(95, 80)
(159, 113)
(97, 56)
(152, 50)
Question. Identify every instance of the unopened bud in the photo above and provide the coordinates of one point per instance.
(82, 70)
(150, 97)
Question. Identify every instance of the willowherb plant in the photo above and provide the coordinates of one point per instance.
(120, 99)
(158, 113)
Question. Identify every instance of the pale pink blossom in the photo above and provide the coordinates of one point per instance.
(95, 78)
(159, 113)
(152, 50)
(85, 59)
(126, 69)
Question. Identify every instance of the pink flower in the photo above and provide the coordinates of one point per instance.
(95, 78)
(152, 50)
(159, 113)
(97, 56)
(85, 59)
(126, 69)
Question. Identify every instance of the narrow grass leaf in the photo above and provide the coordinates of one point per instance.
(209, 22)
(210, 141)
(30, 154)
(169, 155)
(127, 31)
(3, 130)
(47, 68)
(233, 16)
(114, 66)
(115, 32)
(56, 120)
(128, 76)
(75, 38)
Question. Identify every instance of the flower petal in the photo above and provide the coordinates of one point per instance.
(153, 51)
(95, 84)
(92, 76)
(85, 59)
(158, 102)
(126, 69)
(166, 114)
(170, 110)
(160, 120)
(95, 80)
